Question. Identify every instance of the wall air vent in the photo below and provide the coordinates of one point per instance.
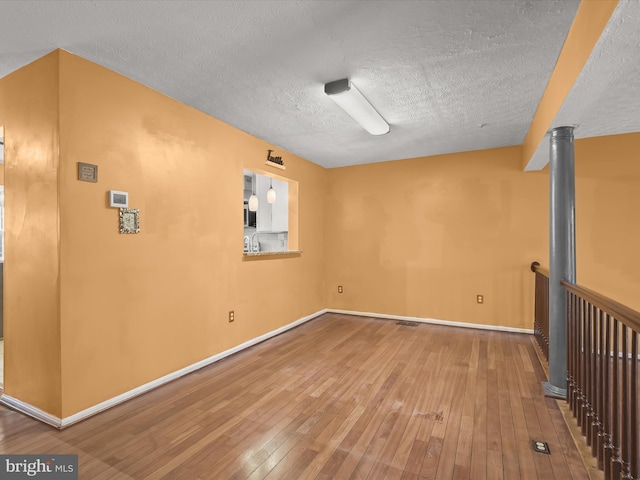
(407, 324)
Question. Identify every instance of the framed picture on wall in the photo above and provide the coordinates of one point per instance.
(129, 220)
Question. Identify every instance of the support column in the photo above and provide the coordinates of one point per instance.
(562, 254)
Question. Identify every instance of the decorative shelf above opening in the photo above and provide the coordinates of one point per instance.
(275, 162)
(275, 165)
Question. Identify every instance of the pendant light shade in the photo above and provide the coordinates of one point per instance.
(253, 203)
(271, 194)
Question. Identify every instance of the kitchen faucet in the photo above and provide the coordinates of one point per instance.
(254, 247)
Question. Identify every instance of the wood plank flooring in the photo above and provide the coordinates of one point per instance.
(341, 397)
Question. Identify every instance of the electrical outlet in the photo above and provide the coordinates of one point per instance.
(232, 316)
(480, 298)
(541, 447)
(339, 288)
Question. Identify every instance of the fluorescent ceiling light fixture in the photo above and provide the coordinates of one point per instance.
(349, 98)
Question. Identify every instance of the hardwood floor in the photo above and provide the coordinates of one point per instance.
(1, 361)
(337, 398)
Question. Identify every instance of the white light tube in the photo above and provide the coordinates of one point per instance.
(349, 98)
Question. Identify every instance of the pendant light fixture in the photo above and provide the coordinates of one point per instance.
(271, 193)
(253, 202)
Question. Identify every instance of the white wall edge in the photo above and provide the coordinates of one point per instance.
(112, 402)
(540, 157)
(434, 321)
(30, 410)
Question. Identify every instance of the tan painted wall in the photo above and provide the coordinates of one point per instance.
(29, 113)
(422, 237)
(134, 307)
(607, 226)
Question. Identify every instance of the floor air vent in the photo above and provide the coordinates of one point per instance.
(407, 324)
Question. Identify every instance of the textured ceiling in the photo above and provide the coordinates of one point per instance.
(447, 75)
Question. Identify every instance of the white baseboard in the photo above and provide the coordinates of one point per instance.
(54, 421)
(30, 410)
(76, 417)
(433, 321)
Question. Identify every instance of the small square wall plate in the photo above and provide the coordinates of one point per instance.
(118, 199)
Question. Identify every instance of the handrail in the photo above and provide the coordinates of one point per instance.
(535, 267)
(602, 378)
(602, 371)
(626, 315)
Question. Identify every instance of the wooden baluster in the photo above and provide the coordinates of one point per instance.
(570, 328)
(616, 461)
(630, 400)
(608, 446)
(539, 300)
(584, 409)
(542, 312)
(545, 316)
(578, 381)
(587, 412)
(596, 446)
(536, 314)
(581, 366)
(576, 355)
(538, 306)
(633, 408)
(588, 424)
(593, 376)
(624, 425)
